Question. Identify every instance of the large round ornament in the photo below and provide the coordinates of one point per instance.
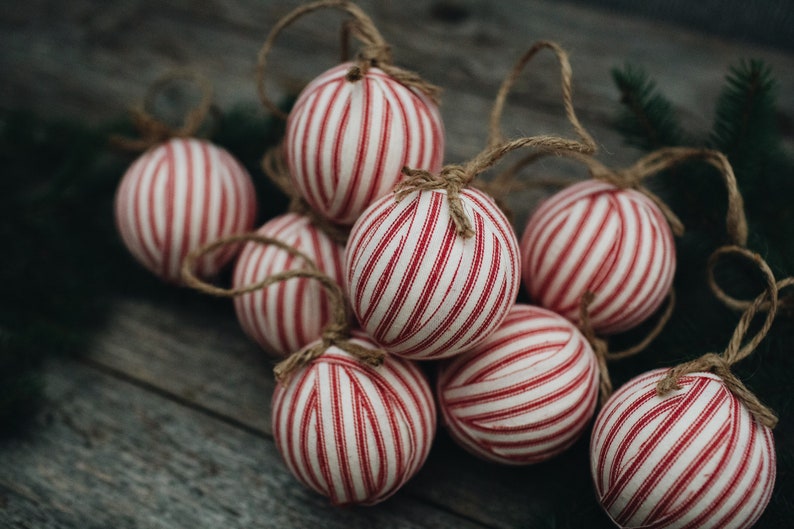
(695, 458)
(420, 289)
(353, 432)
(523, 395)
(288, 315)
(347, 141)
(596, 237)
(179, 196)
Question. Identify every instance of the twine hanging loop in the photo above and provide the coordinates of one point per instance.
(336, 333)
(153, 131)
(375, 51)
(737, 349)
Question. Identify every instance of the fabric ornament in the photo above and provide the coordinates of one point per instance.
(354, 127)
(419, 288)
(689, 446)
(181, 193)
(353, 432)
(351, 422)
(596, 237)
(523, 395)
(288, 315)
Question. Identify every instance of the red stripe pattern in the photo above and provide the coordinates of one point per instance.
(694, 459)
(595, 237)
(285, 317)
(421, 290)
(523, 395)
(347, 142)
(179, 196)
(352, 432)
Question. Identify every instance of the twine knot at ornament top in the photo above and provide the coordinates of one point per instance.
(153, 130)
(375, 51)
(720, 364)
(454, 178)
(336, 332)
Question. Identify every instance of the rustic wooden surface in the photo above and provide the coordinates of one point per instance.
(164, 422)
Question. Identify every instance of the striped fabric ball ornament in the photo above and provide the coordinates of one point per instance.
(523, 395)
(695, 458)
(352, 432)
(596, 237)
(288, 315)
(179, 196)
(347, 141)
(421, 290)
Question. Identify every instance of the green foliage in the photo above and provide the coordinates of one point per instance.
(63, 259)
(648, 121)
(745, 130)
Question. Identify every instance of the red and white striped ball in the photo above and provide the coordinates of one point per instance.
(421, 290)
(347, 142)
(596, 237)
(179, 196)
(352, 432)
(523, 395)
(286, 316)
(695, 458)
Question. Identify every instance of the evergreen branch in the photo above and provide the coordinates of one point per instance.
(744, 124)
(647, 121)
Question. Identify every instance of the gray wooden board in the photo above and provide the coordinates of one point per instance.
(167, 387)
(202, 358)
(91, 59)
(110, 454)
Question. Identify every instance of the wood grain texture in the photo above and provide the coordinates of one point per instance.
(111, 454)
(91, 59)
(166, 422)
(180, 355)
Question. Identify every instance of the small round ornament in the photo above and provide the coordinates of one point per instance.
(347, 140)
(695, 458)
(178, 196)
(288, 315)
(419, 288)
(596, 237)
(523, 395)
(353, 432)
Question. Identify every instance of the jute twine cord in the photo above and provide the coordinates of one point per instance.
(601, 346)
(154, 131)
(504, 183)
(336, 333)
(453, 178)
(375, 51)
(740, 304)
(495, 136)
(660, 160)
(720, 364)
(275, 167)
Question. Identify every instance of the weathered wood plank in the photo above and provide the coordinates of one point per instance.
(200, 356)
(93, 58)
(109, 454)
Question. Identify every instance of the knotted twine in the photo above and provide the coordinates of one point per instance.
(374, 53)
(628, 178)
(720, 364)
(453, 178)
(154, 131)
(731, 302)
(336, 333)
